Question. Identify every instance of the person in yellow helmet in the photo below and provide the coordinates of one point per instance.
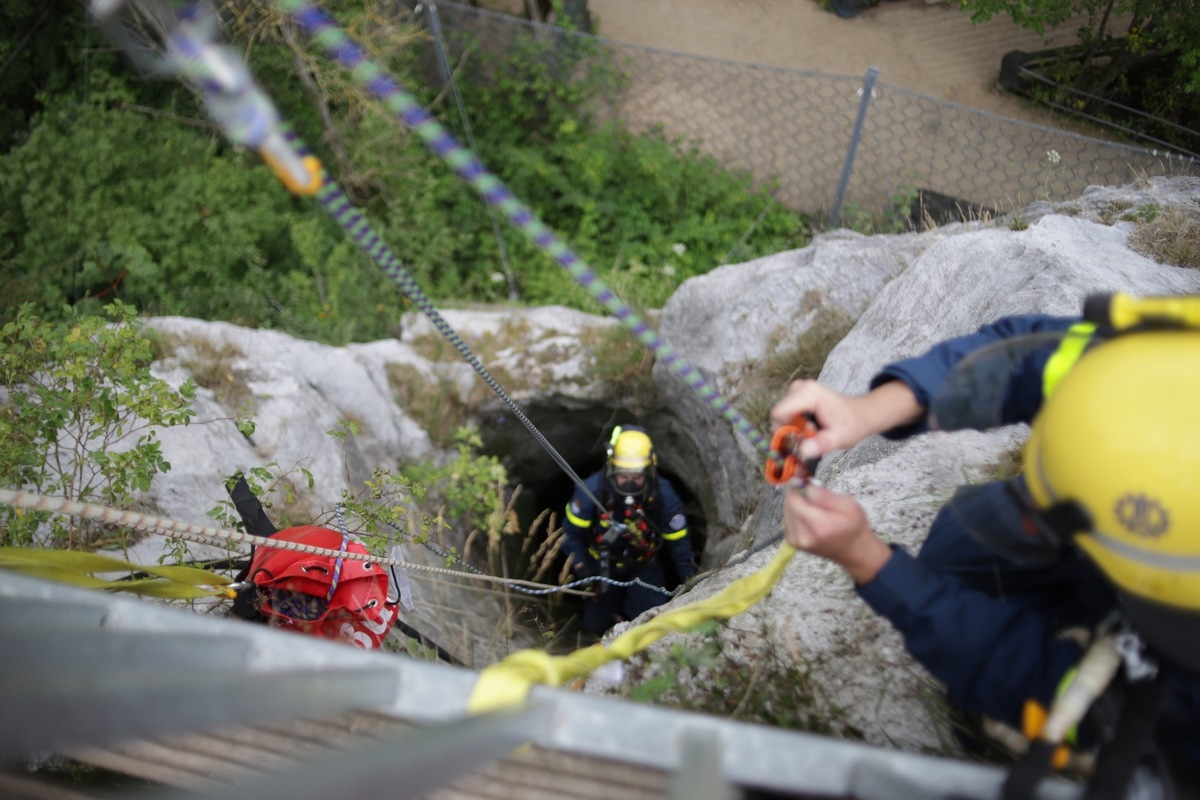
(639, 514)
(1101, 528)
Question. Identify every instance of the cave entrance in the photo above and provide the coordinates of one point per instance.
(579, 436)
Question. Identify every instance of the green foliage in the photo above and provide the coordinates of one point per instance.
(469, 489)
(49, 50)
(1152, 61)
(645, 211)
(898, 217)
(625, 364)
(79, 414)
(380, 514)
(124, 191)
(387, 512)
(268, 483)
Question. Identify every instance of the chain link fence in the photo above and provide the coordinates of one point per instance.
(796, 129)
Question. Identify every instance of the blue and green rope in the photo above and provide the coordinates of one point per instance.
(341, 48)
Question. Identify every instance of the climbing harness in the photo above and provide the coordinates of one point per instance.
(1116, 656)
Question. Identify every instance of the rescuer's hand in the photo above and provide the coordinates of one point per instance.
(844, 421)
(834, 526)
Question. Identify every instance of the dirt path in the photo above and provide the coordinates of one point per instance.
(926, 47)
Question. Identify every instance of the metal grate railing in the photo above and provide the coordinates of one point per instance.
(794, 128)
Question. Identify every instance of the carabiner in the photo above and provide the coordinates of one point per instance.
(786, 442)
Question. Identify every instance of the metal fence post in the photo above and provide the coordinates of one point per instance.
(867, 89)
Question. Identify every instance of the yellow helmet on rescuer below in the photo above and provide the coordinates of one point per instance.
(630, 453)
(1119, 439)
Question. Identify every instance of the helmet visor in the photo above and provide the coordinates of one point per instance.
(976, 394)
(629, 482)
(1002, 517)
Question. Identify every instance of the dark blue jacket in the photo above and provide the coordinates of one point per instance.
(993, 655)
(666, 524)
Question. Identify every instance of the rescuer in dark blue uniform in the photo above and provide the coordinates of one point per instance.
(1103, 517)
(639, 513)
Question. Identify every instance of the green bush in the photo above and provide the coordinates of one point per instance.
(78, 415)
(131, 194)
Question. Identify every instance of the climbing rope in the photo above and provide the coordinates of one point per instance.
(439, 46)
(252, 113)
(341, 48)
(337, 565)
(338, 206)
(221, 536)
(509, 681)
(582, 581)
(246, 115)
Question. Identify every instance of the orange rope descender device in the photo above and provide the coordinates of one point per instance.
(788, 465)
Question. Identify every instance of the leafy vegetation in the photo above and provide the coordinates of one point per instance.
(468, 490)
(1143, 54)
(119, 188)
(79, 411)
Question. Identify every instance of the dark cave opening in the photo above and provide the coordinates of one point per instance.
(579, 438)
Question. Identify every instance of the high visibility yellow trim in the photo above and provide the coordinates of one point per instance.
(578, 522)
(509, 682)
(675, 535)
(1068, 353)
(82, 569)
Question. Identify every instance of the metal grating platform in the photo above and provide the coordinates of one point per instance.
(214, 709)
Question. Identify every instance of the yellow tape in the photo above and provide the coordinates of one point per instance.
(78, 568)
(508, 682)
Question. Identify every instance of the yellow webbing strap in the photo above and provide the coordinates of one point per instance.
(508, 682)
(79, 568)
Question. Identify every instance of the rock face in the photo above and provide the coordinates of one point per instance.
(902, 293)
(298, 392)
(951, 281)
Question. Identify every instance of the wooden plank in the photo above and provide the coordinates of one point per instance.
(168, 774)
(171, 752)
(231, 755)
(277, 743)
(253, 758)
(14, 787)
(541, 774)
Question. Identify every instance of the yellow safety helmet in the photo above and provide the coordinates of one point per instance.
(1119, 441)
(630, 451)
